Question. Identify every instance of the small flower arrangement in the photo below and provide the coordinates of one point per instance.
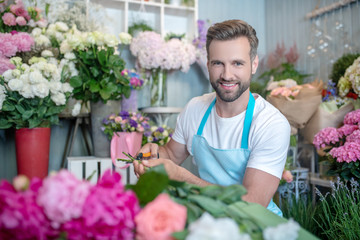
(32, 95)
(135, 81)
(159, 135)
(342, 146)
(349, 84)
(125, 122)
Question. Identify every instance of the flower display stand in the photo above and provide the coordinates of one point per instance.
(85, 166)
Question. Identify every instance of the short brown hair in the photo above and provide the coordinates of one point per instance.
(232, 29)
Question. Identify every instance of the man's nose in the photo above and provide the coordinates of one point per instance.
(227, 73)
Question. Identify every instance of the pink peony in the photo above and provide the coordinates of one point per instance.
(108, 212)
(352, 118)
(349, 152)
(160, 218)
(325, 137)
(9, 19)
(21, 21)
(23, 41)
(62, 197)
(20, 216)
(5, 64)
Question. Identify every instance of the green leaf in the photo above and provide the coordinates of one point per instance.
(33, 123)
(94, 86)
(180, 235)
(212, 190)
(102, 57)
(4, 123)
(107, 91)
(7, 107)
(193, 212)
(151, 184)
(76, 81)
(214, 207)
(95, 71)
(232, 193)
(27, 114)
(20, 109)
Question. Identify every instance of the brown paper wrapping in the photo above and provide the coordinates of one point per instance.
(298, 111)
(322, 119)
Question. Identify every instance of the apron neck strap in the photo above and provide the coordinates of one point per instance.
(247, 122)
(205, 117)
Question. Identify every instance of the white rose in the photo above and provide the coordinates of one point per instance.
(25, 67)
(153, 128)
(47, 53)
(75, 41)
(26, 91)
(70, 56)
(58, 99)
(61, 26)
(36, 32)
(55, 87)
(110, 40)
(42, 40)
(99, 38)
(16, 85)
(65, 47)
(125, 38)
(207, 227)
(25, 78)
(165, 133)
(8, 75)
(36, 77)
(76, 110)
(40, 90)
(66, 87)
(2, 95)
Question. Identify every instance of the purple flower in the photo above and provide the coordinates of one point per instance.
(160, 129)
(133, 123)
(124, 114)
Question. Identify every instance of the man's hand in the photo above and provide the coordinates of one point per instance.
(171, 168)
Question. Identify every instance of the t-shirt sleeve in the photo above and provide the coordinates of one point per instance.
(270, 146)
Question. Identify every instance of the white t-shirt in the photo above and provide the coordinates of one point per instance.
(269, 135)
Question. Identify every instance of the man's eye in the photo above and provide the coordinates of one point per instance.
(216, 63)
(238, 64)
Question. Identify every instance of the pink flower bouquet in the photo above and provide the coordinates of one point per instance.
(342, 146)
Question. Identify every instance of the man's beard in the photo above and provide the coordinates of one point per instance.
(224, 94)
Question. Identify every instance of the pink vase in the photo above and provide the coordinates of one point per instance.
(128, 142)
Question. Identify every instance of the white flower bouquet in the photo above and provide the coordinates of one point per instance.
(33, 95)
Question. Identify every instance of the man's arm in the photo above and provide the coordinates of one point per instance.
(260, 186)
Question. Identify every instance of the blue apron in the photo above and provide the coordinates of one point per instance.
(225, 166)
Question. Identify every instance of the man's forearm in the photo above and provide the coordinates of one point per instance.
(186, 176)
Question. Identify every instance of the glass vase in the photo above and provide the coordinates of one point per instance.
(158, 90)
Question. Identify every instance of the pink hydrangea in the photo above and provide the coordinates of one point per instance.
(354, 137)
(108, 212)
(347, 129)
(23, 41)
(62, 197)
(5, 64)
(352, 118)
(325, 137)
(9, 19)
(349, 152)
(20, 216)
(160, 218)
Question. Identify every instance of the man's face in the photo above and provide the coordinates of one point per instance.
(230, 67)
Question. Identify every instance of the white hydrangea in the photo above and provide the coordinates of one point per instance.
(2, 95)
(42, 41)
(110, 40)
(65, 47)
(66, 87)
(58, 98)
(55, 87)
(207, 227)
(61, 26)
(284, 231)
(47, 53)
(70, 56)
(8, 75)
(26, 91)
(36, 77)
(36, 32)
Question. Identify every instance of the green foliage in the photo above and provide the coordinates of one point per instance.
(338, 213)
(346, 171)
(340, 66)
(99, 75)
(258, 87)
(285, 71)
(139, 27)
(20, 112)
(174, 35)
(302, 211)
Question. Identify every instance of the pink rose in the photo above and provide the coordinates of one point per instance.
(287, 176)
(160, 218)
(9, 19)
(21, 182)
(21, 21)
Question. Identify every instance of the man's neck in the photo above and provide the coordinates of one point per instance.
(231, 109)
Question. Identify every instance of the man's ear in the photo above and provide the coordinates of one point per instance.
(255, 64)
